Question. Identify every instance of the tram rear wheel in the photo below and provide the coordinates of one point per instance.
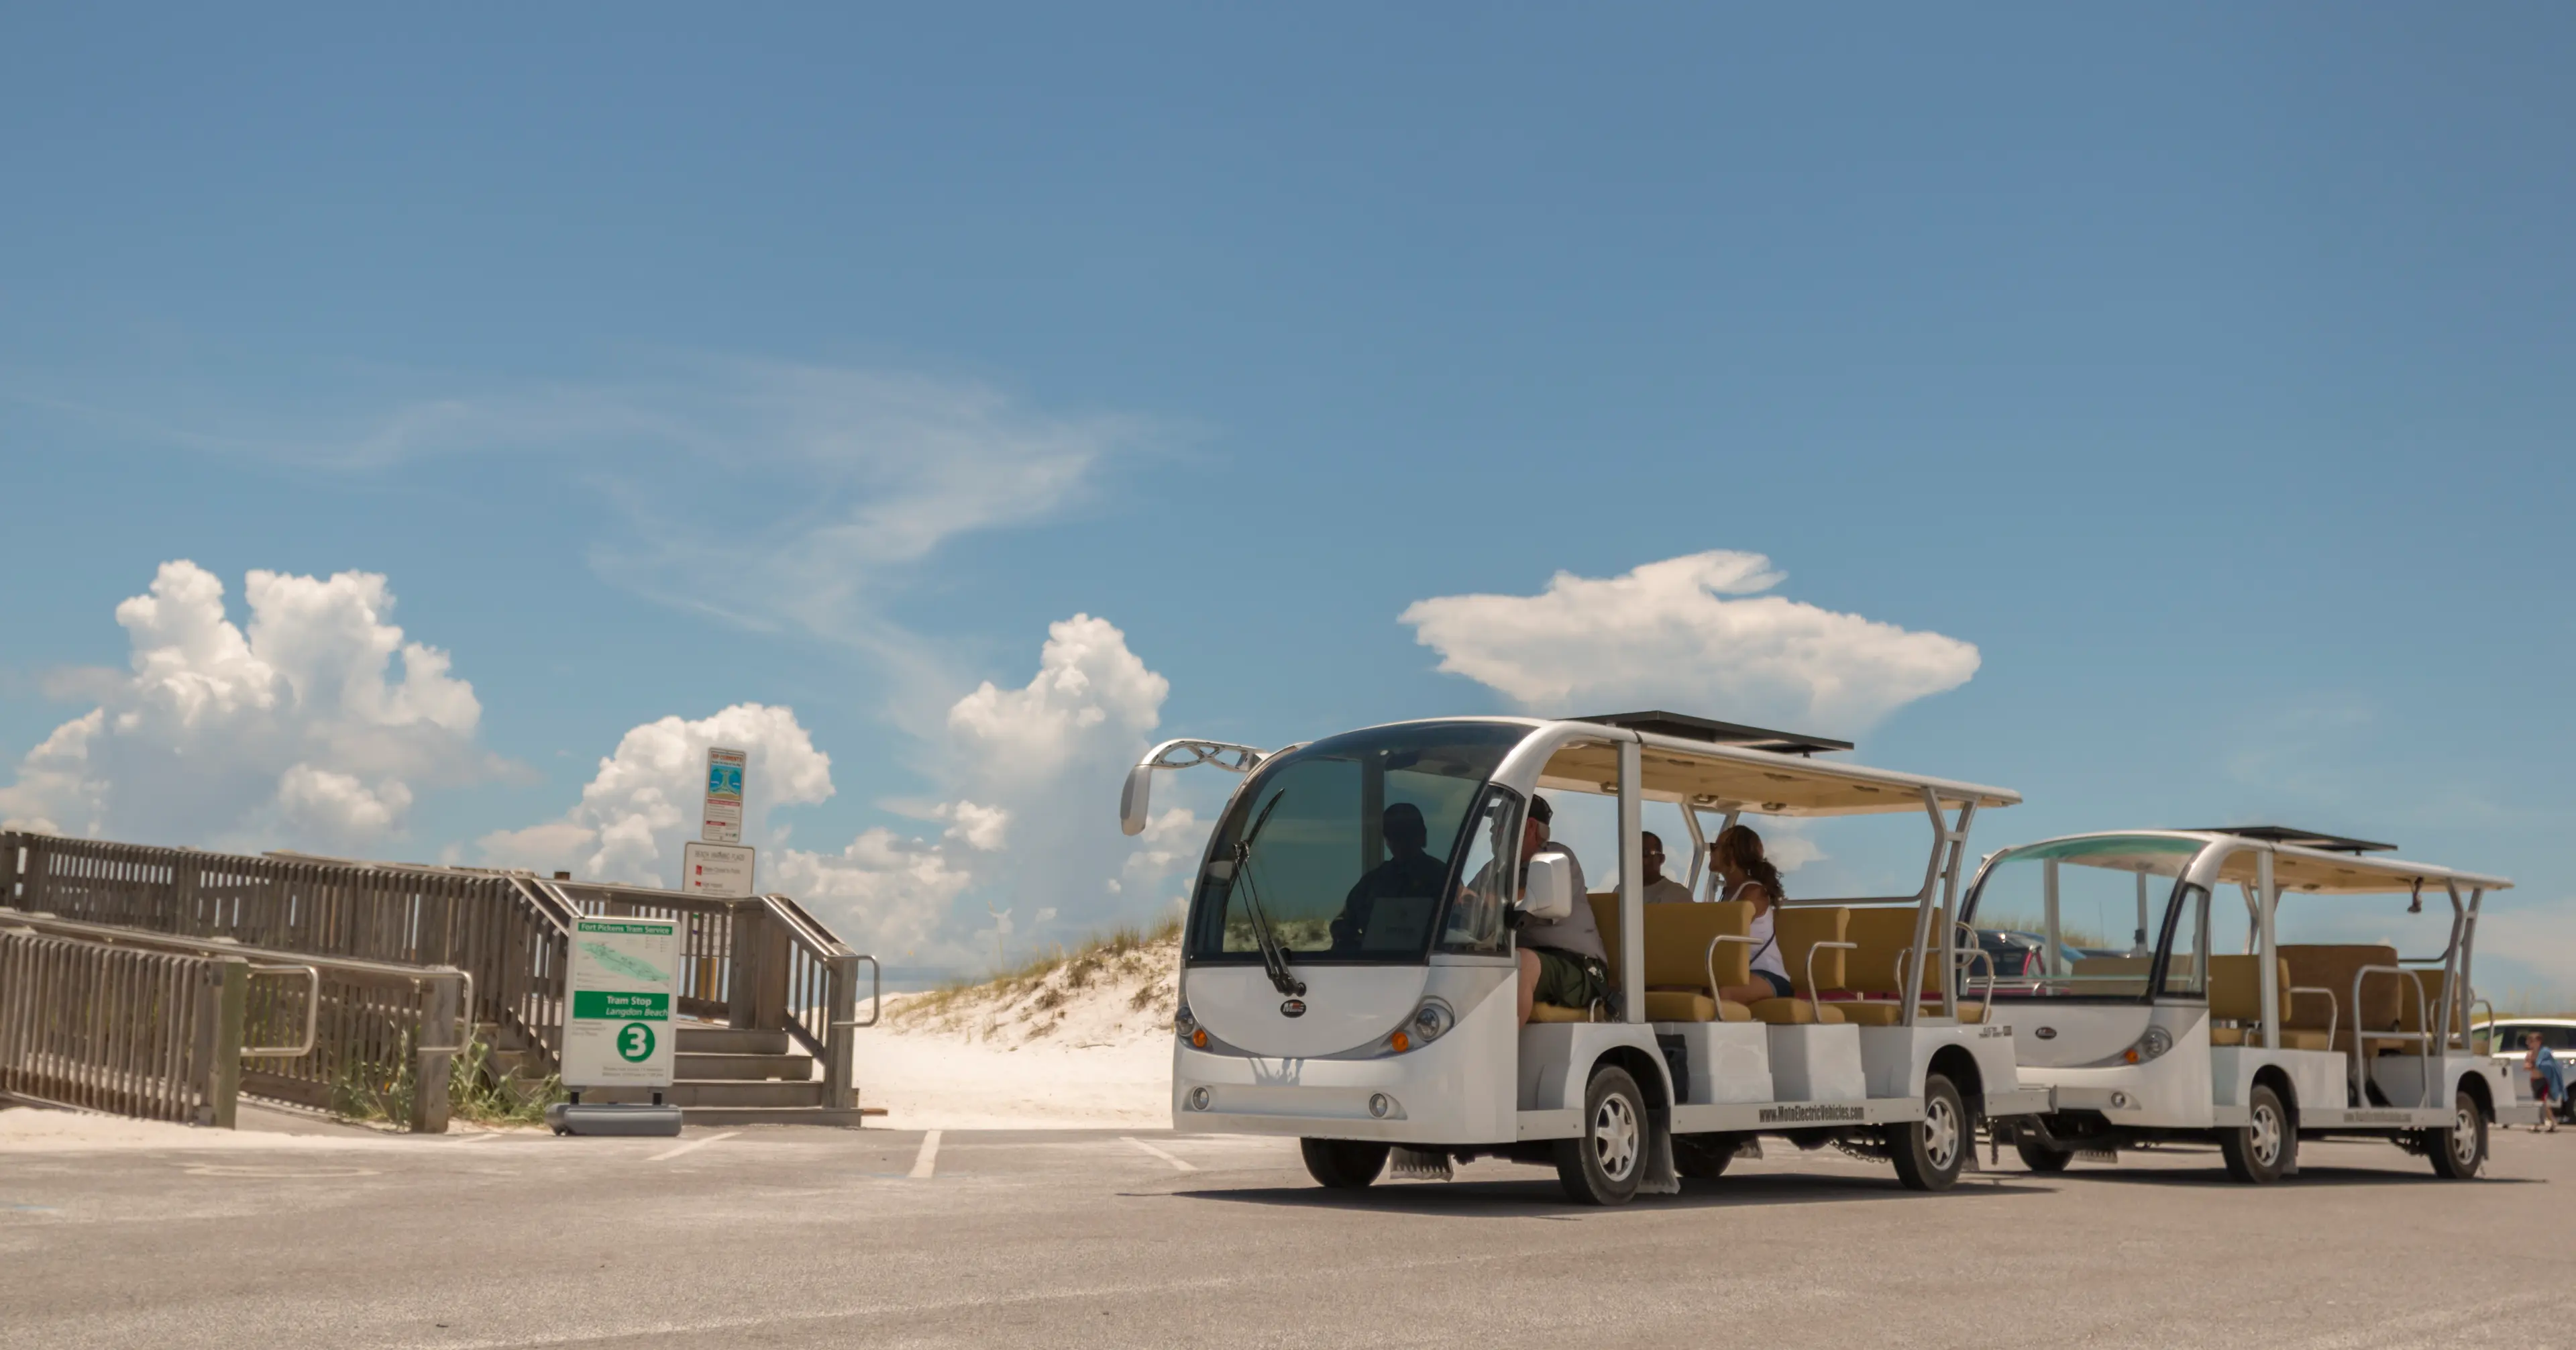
(1702, 1157)
(2457, 1152)
(1343, 1164)
(2039, 1157)
(1930, 1153)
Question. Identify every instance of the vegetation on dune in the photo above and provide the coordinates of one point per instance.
(1130, 971)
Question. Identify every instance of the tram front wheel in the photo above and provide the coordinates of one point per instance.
(1343, 1164)
(1603, 1165)
(2258, 1151)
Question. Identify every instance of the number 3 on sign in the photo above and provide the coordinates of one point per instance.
(635, 1042)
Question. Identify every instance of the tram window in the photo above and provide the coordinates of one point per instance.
(1476, 916)
(2187, 964)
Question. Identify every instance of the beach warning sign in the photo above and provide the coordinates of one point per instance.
(722, 819)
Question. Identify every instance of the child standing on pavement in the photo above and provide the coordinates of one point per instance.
(2547, 1086)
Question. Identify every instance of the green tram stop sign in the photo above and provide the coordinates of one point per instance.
(624, 978)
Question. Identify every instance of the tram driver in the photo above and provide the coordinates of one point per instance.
(1413, 873)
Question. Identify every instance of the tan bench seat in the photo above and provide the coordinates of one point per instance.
(2290, 1039)
(1797, 1012)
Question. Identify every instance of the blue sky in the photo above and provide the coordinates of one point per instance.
(2205, 370)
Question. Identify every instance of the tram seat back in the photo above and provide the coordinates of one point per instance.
(1800, 928)
(1876, 969)
(1676, 956)
(2332, 966)
(2236, 988)
(2408, 1019)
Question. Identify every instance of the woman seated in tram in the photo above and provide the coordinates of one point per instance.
(1744, 873)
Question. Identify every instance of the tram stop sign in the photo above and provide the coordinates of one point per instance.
(624, 982)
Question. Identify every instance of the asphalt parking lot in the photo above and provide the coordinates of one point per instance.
(802, 1237)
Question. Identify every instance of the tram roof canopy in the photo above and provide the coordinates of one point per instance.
(1717, 776)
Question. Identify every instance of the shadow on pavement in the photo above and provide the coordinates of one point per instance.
(2216, 1176)
(1540, 1197)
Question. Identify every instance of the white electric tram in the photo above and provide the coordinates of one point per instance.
(1395, 1033)
(2159, 1038)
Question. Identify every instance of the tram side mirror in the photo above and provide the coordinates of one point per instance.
(1133, 799)
(1549, 894)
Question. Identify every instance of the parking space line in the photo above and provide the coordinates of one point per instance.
(1177, 1164)
(669, 1154)
(927, 1159)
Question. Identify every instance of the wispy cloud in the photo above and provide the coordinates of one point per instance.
(775, 495)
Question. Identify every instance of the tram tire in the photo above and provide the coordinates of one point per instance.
(1343, 1164)
(1930, 1153)
(2258, 1151)
(2458, 1152)
(2041, 1158)
(1603, 1164)
(1702, 1157)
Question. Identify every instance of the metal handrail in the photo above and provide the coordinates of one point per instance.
(876, 1000)
(312, 1015)
(2334, 1009)
(2362, 1036)
(1713, 986)
(1813, 1002)
(2487, 1026)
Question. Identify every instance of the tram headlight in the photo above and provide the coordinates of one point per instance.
(1188, 1028)
(1198, 1099)
(2155, 1042)
(1431, 1021)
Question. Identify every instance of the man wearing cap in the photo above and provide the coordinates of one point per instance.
(1562, 962)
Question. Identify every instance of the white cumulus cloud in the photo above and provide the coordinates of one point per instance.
(643, 803)
(310, 725)
(1026, 848)
(1695, 634)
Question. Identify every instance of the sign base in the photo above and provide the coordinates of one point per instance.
(605, 1118)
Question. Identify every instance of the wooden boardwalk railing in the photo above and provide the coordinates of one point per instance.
(339, 1026)
(138, 1033)
(761, 962)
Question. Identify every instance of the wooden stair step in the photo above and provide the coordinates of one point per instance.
(692, 1064)
(707, 1040)
(704, 1093)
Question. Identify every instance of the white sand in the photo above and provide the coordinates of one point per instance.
(1087, 1043)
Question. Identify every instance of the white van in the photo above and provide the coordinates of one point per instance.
(1391, 1028)
(2287, 1041)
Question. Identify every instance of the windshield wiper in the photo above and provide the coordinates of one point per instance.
(1274, 957)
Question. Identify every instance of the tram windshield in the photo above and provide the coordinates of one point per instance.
(2088, 918)
(1350, 849)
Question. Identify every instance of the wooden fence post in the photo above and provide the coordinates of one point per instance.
(742, 967)
(439, 1033)
(224, 1006)
(840, 1040)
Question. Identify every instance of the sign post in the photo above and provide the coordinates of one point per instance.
(624, 980)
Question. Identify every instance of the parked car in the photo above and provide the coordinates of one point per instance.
(2503, 1039)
